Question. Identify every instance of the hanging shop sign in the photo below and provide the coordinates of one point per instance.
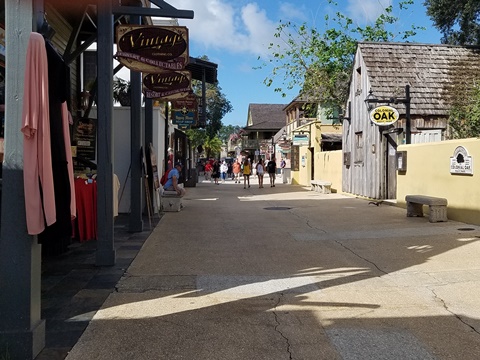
(85, 137)
(461, 162)
(167, 85)
(185, 111)
(384, 115)
(300, 140)
(151, 49)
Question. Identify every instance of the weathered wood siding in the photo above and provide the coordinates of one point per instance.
(363, 174)
(60, 40)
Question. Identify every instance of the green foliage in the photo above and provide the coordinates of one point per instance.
(320, 63)
(226, 132)
(457, 20)
(196, 137)
(464, 118)
(213, 147)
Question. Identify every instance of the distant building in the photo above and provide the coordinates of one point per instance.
(263, 122)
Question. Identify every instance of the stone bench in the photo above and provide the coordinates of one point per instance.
(321, 186)
(170, 200)
(437, 207)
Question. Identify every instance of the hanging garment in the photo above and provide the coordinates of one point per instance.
(37, 158)
(57, 237)
(86, 197)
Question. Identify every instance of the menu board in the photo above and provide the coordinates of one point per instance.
(85, 138)
(295, 160)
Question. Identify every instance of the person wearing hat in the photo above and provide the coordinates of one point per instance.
(172, 181)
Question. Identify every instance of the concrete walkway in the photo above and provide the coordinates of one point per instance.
(286, 273)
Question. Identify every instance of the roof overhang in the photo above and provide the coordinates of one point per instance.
(202, 70)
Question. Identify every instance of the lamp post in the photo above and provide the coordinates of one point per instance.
(371, 99)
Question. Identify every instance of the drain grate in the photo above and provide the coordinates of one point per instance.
(466, 229)
(277, 208)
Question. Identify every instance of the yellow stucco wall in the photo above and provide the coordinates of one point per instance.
(428, 173)
(328, 166)
(302, 177)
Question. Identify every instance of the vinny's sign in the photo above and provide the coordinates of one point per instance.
(184, 111)
(152, 49)
(384, 115)
(168, 85)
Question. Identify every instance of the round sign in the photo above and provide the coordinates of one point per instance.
(384, 115)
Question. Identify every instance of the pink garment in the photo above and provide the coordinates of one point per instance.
(66, 117)
(37, 158)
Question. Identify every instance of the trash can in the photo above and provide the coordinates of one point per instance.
(192, 178)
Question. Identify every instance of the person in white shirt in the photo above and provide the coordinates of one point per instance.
(224, 170)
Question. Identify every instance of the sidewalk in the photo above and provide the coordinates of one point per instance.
(286, 273)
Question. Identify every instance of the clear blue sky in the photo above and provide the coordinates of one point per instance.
(234, 33)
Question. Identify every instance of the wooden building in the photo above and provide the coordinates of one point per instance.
(263, 122)
(420, 81)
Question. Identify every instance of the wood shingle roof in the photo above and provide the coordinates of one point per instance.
(437, 74)
(266, 116)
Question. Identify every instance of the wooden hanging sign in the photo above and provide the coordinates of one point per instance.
(152, 49)
(167, 85)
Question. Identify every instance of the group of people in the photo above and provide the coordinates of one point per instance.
(260, 169)
(216, 171)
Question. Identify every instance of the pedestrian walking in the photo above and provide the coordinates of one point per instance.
(260, 172)
(272, 171)
(224, 170)
(216, 171)
(208, 171)
(246, 173)
(237, 169)
(230, 170)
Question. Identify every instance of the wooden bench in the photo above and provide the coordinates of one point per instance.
(437, 207)
(321, 186)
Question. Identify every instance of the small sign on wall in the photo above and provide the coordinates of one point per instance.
(461, 162)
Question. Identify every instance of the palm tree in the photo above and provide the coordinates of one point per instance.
(212, 146)
(121, 91)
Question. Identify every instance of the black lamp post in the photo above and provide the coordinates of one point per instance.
(371, 99)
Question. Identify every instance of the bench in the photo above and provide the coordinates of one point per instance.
(321, 186)
(170, 200)
(437, 207)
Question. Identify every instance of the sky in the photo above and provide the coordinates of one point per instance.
(234, 33)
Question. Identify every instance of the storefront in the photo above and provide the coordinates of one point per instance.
(69, 28)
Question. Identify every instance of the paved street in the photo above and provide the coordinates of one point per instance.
(286, 273)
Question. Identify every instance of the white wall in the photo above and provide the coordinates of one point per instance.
(121, 144)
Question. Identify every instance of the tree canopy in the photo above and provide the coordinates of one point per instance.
(227, 131)
(320, 62)
(464, 118)
(457, 20)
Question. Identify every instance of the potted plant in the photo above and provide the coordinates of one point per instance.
(121, 91)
